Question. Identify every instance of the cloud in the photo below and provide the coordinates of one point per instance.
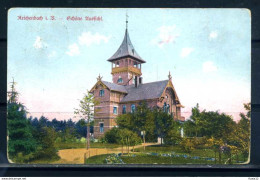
(87, 38)
(167, 34)
(186, 52)
(52, 54)
(38, 43)
(213, 35)
(73, 50)
(209, 66)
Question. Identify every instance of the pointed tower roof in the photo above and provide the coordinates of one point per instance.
(126, 49)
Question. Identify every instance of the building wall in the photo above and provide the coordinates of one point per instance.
(104, 111)
(150, 103)
(126, 76)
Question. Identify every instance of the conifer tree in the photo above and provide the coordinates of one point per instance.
(21, 144)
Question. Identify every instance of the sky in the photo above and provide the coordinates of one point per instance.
(54, 62)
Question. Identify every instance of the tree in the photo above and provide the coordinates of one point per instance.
(239, 138)
(143, 120)
(195, 116)
(81, 128)
(128, 138)
(140, 120)
(46, 140)
(20, 140)
(86, 111)
(189, 128)
(163, 123)
(173, 135)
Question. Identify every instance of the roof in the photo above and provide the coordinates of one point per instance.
(115, 87)
(145, 91)
(126, 49)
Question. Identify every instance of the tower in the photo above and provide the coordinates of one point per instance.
(126, 63)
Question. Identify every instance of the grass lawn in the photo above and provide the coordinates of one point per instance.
(77, 145)
(197, 152)
(148, 159)
(99, 159)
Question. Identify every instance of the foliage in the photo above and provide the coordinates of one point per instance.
(239, 139)
(187, 145)
(173, 135)
(155, 122)
(46, 140)
(112, 136)
(86, 111)
(163, 123)
(195, 116)
(128, 138)
(189, 127)
(21, 144)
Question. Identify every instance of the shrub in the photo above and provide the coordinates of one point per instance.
(112, 136)
(200, 142)
(187, 145)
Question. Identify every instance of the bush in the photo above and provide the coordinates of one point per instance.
(200, 142)
(187, 145)
(112, 136)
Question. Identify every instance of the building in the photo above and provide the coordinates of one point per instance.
(127, 90)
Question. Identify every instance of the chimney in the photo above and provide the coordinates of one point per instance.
(140, 80)
(136, 81)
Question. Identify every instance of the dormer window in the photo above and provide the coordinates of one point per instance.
(101, 93)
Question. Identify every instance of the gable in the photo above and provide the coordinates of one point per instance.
(170, 88)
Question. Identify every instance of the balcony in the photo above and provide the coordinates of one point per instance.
(126, 69)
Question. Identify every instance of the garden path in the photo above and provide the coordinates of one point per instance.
(77, 156)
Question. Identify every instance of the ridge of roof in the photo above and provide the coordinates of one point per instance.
(126, 49)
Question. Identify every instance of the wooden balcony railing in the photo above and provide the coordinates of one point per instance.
(126, 69)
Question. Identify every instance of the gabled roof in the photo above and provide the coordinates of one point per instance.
(115, 87)
(145, 91)
(126, 49)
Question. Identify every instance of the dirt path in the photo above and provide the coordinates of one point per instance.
(76, 156)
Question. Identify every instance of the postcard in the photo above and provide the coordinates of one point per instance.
(129, 86)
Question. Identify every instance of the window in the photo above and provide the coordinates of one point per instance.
(101, 127)
(120, 80)
(101, 93)
(164, 107)
(115, 110)
(132, 108)
(124, 109)
(168, 108)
